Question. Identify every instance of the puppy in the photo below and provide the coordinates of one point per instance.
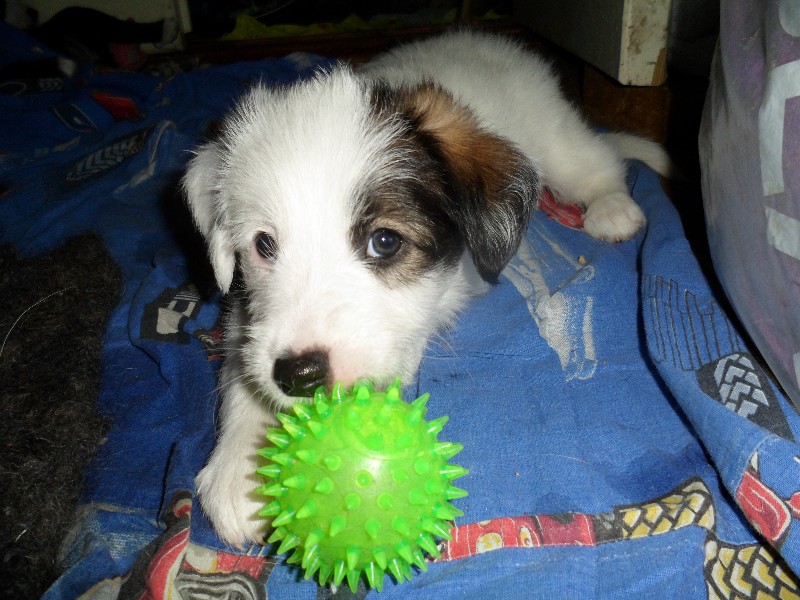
(362, 209)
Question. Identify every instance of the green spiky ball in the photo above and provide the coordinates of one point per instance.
(360, 485)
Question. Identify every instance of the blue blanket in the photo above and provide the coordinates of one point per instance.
(622, 439)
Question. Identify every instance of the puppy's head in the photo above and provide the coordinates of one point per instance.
(348, 207)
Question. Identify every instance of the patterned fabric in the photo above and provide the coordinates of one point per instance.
(730, 571)
(622, 439)
(750, 149)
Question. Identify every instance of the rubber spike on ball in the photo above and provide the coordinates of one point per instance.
(303, 411)
(359, 484)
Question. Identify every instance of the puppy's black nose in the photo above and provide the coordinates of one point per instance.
(301, 374)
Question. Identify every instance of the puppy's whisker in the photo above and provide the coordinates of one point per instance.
(444, 342)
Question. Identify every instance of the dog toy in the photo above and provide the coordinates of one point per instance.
(360, 485)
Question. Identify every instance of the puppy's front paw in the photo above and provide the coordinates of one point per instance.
(226, 491)
(613, 217)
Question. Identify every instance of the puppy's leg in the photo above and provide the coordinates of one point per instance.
(226, 484)
(582, 167)
(613, 217)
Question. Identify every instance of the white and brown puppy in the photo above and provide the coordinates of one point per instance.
(363, 209)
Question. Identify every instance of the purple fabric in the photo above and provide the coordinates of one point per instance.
(750, 151)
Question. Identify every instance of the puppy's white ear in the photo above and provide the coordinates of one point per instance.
(201, 183)
(494, 187)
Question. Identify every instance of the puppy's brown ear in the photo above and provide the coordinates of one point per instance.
(201, 183)
(493, 187)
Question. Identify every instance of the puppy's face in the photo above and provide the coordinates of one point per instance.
(348, 207)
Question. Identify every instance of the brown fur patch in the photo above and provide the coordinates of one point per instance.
(473, 154)
(491, 186)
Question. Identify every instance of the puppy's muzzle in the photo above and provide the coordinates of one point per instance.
(301, 374)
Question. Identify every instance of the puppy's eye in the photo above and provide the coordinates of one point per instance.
(266, 246)
(384, 243)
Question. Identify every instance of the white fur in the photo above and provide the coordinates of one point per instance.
(294, 163)
(515, 93)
